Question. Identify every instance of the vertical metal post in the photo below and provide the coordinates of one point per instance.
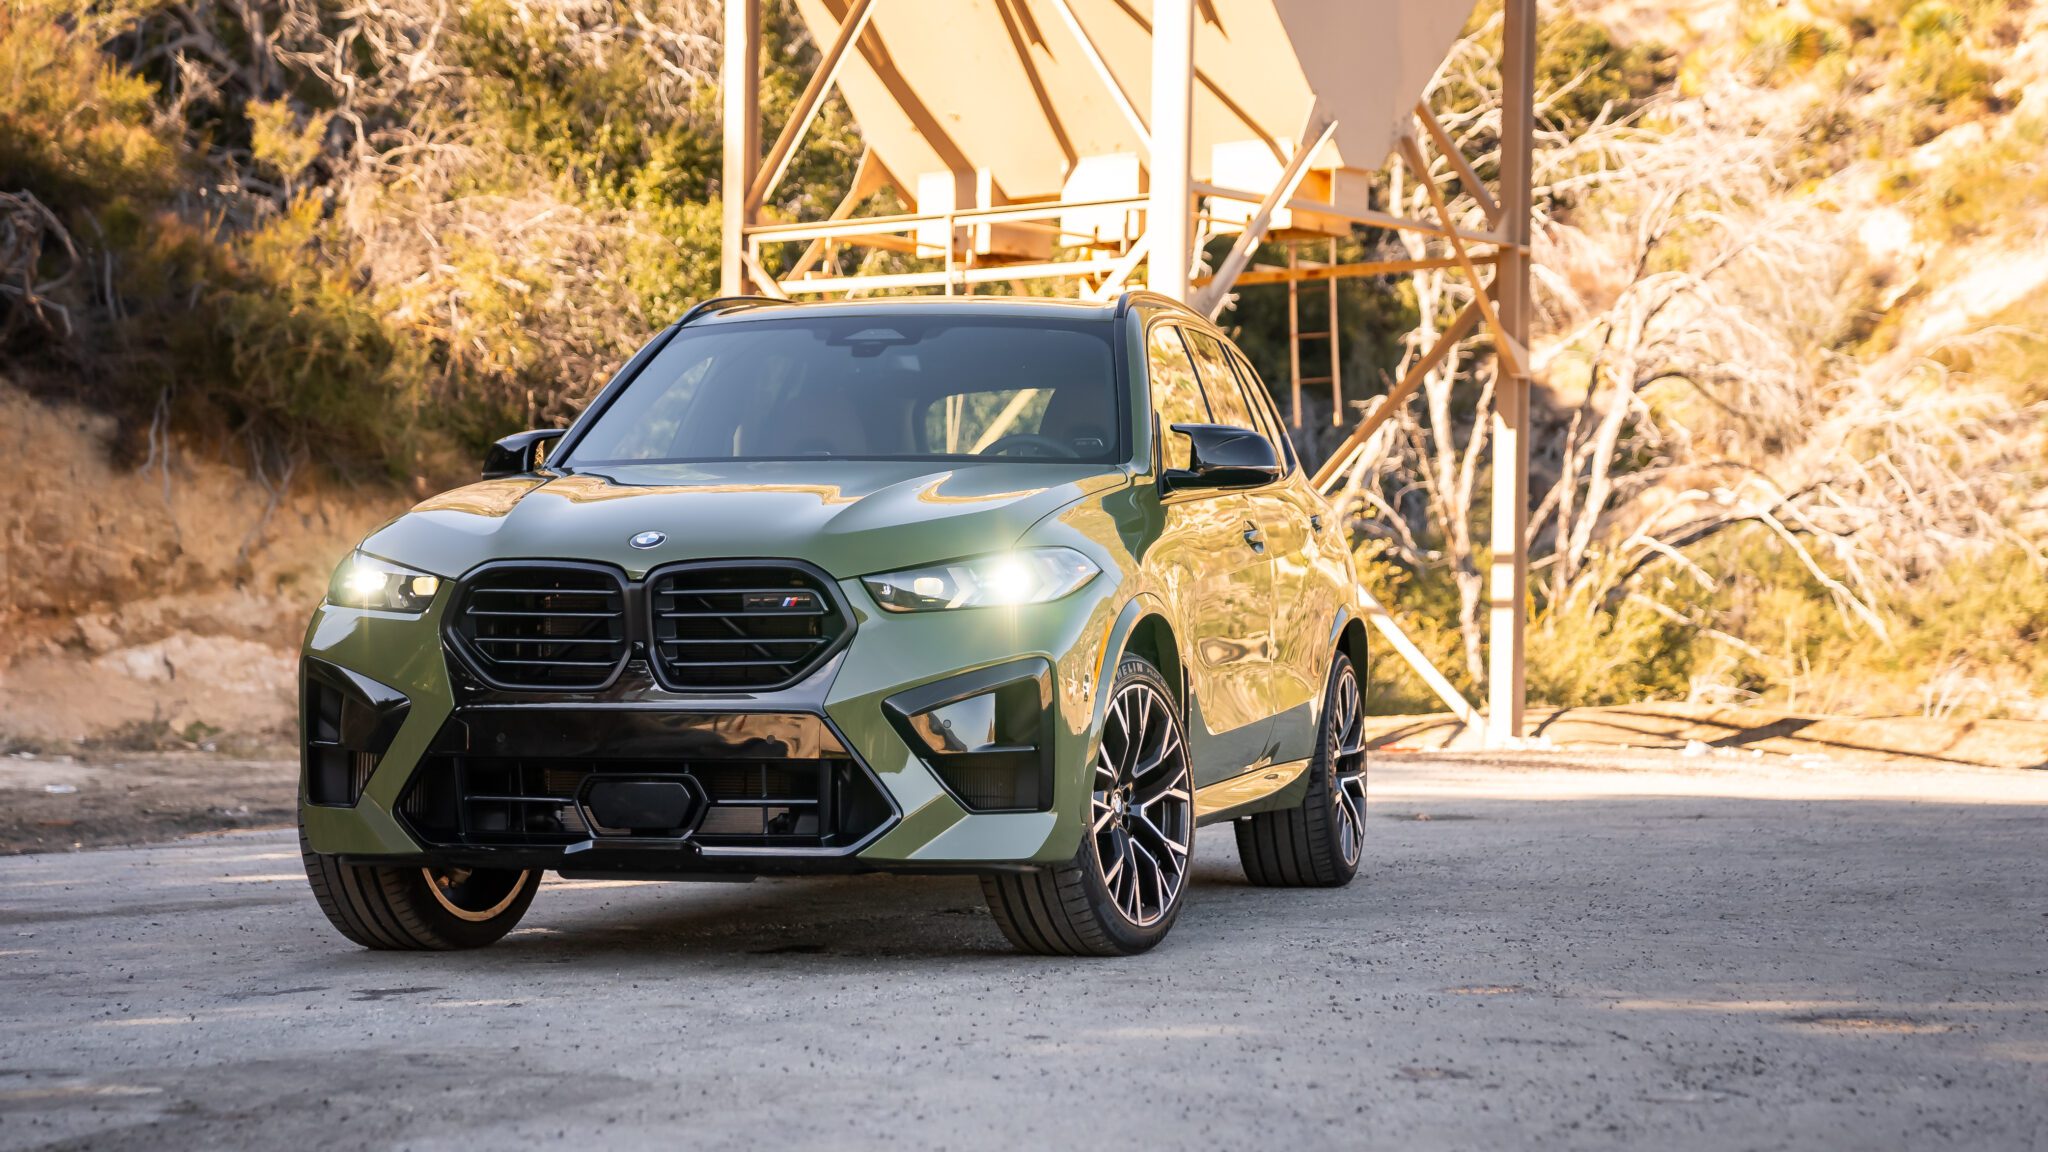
(1508, 584)
(1336, 352)
(1294, 327)
(741, 80)
(1170, 222)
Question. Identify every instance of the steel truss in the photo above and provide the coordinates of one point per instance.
(1166, 252)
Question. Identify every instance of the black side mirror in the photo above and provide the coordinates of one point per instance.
(1220, 457)
(519, 453)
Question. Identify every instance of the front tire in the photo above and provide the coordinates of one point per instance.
(1123, 890)
(410, 908)
(1320, 843)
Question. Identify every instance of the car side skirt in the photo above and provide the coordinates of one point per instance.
(1263, 789)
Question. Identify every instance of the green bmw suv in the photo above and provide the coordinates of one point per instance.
(1024, 589)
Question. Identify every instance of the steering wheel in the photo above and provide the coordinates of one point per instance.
(1049, 445)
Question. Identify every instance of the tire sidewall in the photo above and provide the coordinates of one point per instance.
(1128, 936)
(1322, 789)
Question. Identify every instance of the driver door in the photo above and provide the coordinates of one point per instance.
(1211, 556)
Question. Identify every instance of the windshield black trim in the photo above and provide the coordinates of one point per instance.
(662, 461)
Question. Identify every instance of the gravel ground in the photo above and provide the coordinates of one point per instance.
(91, 799)
(1546, 952)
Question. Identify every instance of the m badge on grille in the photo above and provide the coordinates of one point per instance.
(795, 600)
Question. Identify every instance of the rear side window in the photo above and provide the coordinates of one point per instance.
(1176, 395)
(1263, 408)
(1226, 402)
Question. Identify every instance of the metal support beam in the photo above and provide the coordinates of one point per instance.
(1410, 381)
(1514, 359)
(807, 105)
(1115, 87)
(1120, 272)
(956, 275)
(1294, 331)
(1170, 219)
(868, 178)
(1314, 134)
(1508, 582)
(1336, 348)
(1408, 651)
(1365, 268)
(1365, 216)
(740, 77)
(1473, 185)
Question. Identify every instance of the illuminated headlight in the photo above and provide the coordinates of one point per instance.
(1027, 576)
(366, 582)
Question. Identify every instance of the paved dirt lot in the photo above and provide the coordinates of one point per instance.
(1646, 953)
(89, 799)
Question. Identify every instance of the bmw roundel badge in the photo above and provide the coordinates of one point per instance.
(648, 539)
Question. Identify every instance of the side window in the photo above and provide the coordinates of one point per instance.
(1263, 407)
(1226, 402)
(1227, 396)
(1176, 396)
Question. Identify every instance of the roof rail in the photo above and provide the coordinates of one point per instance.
(1132, 296)
(718, 304)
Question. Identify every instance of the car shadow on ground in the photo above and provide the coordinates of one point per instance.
(873, 916)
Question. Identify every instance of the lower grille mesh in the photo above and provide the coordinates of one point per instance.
(534, 802)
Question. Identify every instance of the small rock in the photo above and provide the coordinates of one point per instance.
(97, 635)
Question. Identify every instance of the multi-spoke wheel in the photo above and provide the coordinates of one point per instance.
(1319, 843)
(1142, 807)
(417, 909)
(1122, 891)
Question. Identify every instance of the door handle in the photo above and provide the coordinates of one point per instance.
(1255, 538)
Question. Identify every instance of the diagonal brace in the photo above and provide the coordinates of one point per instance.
(1514, 358)
(1410, 381)
(809, 104)
(1314, 134)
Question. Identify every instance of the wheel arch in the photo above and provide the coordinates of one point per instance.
(1153, 638)
(1351, 640)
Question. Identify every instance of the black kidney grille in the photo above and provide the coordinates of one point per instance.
(545, 627)
(741, 627)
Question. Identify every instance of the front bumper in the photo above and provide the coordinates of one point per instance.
(914, 821)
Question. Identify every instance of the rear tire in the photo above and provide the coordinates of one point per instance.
(1320, 843)
(1123, 890)
(410, 908)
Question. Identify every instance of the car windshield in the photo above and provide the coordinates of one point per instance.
(881, 386)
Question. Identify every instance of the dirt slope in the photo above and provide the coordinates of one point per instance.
(141, 605)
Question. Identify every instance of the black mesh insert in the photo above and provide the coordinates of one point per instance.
(544, 627)
(744, 627)
(534, 801)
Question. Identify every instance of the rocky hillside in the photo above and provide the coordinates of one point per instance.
(155, 605)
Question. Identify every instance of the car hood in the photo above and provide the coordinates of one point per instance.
(849, 517)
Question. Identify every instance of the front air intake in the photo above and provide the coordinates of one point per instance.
(744, 627)
(544, 626)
